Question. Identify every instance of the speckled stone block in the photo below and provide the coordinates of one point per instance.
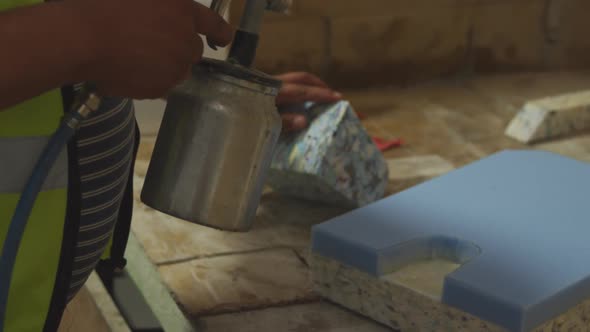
(333, 161)
(410, 300)
(551, 117)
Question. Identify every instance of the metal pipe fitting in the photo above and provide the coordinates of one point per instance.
(86, 103)
(253, 15)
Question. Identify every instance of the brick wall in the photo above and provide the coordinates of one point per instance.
(368, 42)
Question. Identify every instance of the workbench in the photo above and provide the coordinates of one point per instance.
(259, 281)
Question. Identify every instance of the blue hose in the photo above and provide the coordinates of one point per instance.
(25, 205)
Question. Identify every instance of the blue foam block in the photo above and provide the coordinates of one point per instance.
(518, 222)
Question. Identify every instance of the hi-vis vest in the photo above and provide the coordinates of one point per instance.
(24, 130)
(39, 284)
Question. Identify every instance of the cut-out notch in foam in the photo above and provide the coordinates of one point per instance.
(519, 221)
(426, 248)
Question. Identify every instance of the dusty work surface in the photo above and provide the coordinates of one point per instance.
(259, 281)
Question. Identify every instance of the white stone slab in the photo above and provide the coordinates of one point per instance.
(551, 117)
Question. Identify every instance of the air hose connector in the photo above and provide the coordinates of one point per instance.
(87, 103)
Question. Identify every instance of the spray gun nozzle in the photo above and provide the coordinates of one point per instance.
(245, 43)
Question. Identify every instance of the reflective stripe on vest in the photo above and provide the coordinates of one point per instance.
(24, 130)
(23, 156)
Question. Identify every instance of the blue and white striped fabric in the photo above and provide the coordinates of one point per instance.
(105, 144)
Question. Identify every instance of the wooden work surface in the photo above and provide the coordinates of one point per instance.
(259, 281)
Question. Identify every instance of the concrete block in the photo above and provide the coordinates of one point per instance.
(352, 8)
(401, 45)
(517, 41)
(333, 161)
(551, 117)
(379, 42)
(292, 44)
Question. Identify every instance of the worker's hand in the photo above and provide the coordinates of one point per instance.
(145, 47)
(300, 87)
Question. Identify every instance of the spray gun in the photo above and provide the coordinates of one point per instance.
(218, 135)
(245, 43)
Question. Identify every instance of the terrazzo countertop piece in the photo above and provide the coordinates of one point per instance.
(410, 299)
(551, 117)
(333, 161)
(518, 233)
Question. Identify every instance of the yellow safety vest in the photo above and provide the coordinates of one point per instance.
(24, 131)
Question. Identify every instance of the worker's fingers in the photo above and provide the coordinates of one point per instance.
(302, 78)
(293, 122)
(211, 25)
(298, 93)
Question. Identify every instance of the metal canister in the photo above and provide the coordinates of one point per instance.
(215, 146)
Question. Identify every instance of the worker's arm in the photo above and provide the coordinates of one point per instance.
(42, 47)
(130, 48)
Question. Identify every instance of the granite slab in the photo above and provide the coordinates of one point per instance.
(313, 317)
(232, 283)
(507, 220)
(418, 167)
